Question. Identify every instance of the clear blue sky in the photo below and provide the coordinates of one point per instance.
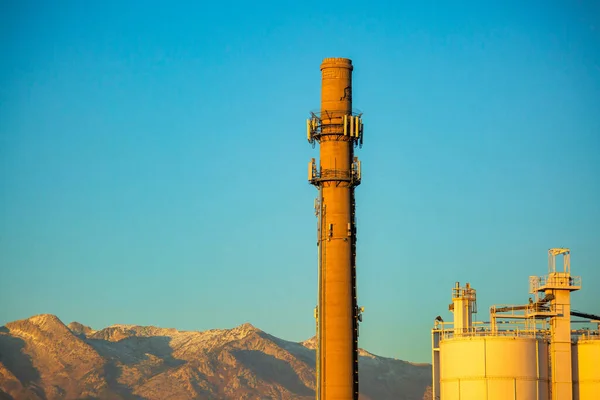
(153, 159)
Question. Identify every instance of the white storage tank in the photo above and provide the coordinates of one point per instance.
(586, 369)
(494, 368)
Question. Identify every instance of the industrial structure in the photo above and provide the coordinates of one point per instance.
(525, 352)
(337, 130)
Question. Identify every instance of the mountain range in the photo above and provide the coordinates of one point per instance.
(41, 358)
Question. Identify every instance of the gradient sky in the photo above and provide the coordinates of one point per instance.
(153, 159)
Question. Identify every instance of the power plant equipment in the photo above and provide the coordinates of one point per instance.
(525, 352)
(338, 130)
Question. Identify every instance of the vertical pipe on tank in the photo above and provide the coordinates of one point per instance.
(458, 310)
(463, 299)
(469, 306)
(435, 362)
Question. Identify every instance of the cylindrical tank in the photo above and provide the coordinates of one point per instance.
(494, 368)
(586, 371)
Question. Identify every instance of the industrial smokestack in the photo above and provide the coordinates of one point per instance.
(338, 131)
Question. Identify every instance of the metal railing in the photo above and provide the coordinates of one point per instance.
(517, 333)
(482, 329)
(558, 281)
(334, 174)
(352, 175)
(500, 311)
(586, 335)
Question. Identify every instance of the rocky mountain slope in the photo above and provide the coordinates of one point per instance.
(43, 359)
